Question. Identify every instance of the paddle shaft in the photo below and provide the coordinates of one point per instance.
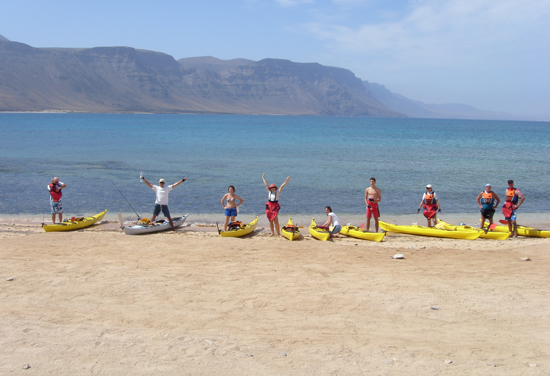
(138, 217)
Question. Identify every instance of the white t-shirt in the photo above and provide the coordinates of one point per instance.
(335, 222)
(162, 194)
(273, 196)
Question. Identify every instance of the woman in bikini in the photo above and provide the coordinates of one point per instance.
(229, 203)
(272, 206)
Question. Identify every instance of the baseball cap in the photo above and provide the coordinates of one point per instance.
(161, 181)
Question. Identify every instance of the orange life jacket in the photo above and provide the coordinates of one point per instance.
(487, 198)
(429, 198)
(511, 195)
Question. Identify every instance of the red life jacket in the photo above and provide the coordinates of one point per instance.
(56, 196)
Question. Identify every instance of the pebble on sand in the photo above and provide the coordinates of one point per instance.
(525, 259)
(398, 256)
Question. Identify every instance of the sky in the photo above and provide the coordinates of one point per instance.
(491, 54)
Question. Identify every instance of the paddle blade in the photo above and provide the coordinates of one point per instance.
(492, 227)
(362, 226)
(503, 221)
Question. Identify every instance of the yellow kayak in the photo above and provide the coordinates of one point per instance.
(290, 231)
(359, 233)
(489, 235)
(68, 225)
(526, 231)
(241, 231)
(317, 232)
(429, 231)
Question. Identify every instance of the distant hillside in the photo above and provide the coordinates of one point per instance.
(417, 109)
(123, 79)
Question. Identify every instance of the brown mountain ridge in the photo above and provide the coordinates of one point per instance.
(125, 79)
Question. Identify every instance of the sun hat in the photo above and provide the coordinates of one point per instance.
(161, 181)
(272, 186)
(429, 186)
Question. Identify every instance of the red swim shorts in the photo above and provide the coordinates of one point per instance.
(372, 210)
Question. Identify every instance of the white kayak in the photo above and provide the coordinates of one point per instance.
(147, 228)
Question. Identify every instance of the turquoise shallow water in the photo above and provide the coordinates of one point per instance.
(329, 160)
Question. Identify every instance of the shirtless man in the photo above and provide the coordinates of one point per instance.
(373, 196)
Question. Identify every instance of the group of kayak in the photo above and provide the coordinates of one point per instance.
(487, 200)
(292, 231)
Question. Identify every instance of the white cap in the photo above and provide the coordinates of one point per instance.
(161, 181)
(429, 186)
(487, 185)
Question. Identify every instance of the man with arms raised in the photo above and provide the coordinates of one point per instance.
(373, 195)
(161, 202)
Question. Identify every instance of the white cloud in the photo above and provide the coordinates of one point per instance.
(491, 54)
(291, 3)
(446, 30)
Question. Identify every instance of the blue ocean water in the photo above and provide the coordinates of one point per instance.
(329, 160)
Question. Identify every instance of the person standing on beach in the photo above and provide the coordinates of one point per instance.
(231, 205)
(488, 201)
(55, 188)
(272, 206)
(161, 202)
(513, 195)
(373, 195)
(430, 204)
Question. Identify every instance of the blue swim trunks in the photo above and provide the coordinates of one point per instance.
(57, 207)
(512, 217)
(231, 212)
(164, 209)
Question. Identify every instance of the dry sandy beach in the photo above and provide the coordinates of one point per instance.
(98, 302)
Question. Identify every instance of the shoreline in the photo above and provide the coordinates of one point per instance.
(536, 220)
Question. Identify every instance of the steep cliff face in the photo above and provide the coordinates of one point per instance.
(300, 88)
(112, 79)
